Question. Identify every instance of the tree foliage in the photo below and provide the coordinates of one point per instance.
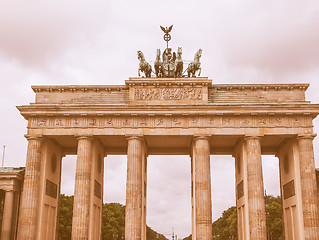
(273, 217)
(225, 227)
(188, 238)
(153, 235)
(113, 221)
(65, 217)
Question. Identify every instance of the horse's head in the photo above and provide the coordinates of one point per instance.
(140, 55)
(158, 54)
(199, 53)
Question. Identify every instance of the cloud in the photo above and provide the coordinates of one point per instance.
(169, 194)
(78, 42)
(276, 39)
(37, 31)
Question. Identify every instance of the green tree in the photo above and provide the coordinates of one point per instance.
(113, 221)
(153, 235)
(273, 217)
(188, 238)
(65, 217)
(225, 227)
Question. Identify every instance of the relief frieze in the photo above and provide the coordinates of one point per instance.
(171, 121)
(109, 122)
(177, 122)
(126, 122)
(159, 122)
(168, 93)
(245, 121)
(75, 122)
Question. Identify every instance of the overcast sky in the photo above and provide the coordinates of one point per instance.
(72, 42)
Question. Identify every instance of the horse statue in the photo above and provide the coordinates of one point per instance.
(158, 64)
(194, 66)
(143, 66)
(179, 63)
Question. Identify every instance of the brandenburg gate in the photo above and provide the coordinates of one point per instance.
(182, 116)
(170, 114)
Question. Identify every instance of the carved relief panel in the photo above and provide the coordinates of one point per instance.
(172, 121)
(181, 91)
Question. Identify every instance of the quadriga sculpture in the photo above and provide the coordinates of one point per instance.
(194, 66)
(143, 66)
(179, 63)
(158, 63)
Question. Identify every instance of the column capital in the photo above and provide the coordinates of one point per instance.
(34, 137)
(88, 137)
(248, 137)
(202, 136)
(138, 137)
(310, 136)
(9, 190)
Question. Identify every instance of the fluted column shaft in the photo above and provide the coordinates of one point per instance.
(7, 215)
(81, 206)
(256, 200)
(134, 185)
(203, 202)
(30, 195)
(308, 187)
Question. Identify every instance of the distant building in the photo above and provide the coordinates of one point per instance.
(11, 184)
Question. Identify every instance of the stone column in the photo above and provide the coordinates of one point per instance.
(81, 206)
(7, 215)
(134, 185)
(202, 188)
(27, 228)
(309, 190)
(255, 185)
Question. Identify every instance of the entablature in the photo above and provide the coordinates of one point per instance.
(45, 110)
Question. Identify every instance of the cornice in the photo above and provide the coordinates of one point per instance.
(78, 88)
(264, 87)
(166, 82)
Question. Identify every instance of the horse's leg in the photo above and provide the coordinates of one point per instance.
(139, 73)
(149, 70)
(200, 71)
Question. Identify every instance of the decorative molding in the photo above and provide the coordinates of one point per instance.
(78, 88)
(264, 87)
(172, 121)
(309, 136)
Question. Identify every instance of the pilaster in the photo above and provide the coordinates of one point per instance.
(7, 215)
